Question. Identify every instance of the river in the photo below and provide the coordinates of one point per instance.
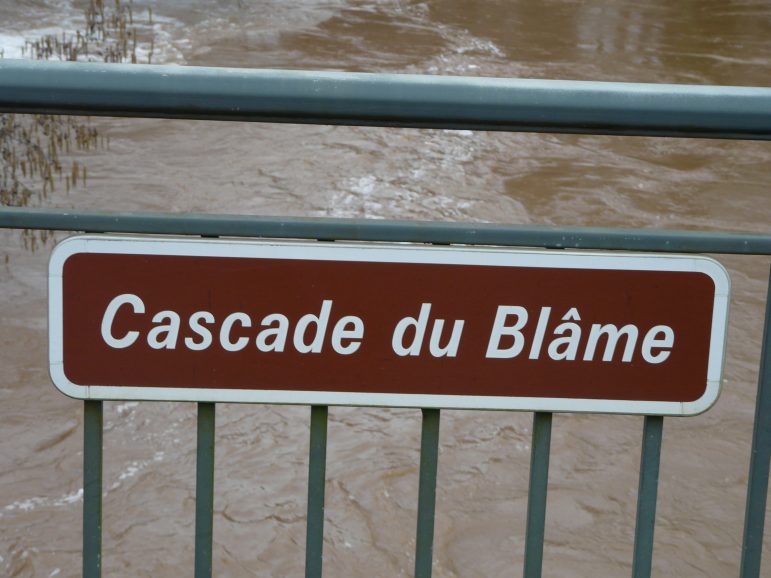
(264, 169)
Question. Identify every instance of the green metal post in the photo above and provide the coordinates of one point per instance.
(204, 491)
(757, 486)
(317, 466)
(92, 489)
(429, 459)
(646, 496)
(536, 503)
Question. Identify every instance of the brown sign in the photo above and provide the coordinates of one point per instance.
(396, 325)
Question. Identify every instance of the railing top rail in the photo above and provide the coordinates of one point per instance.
(397, 100)
(668, 241)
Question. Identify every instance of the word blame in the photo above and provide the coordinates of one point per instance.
(378, 324)
(656, 344)
(309, 333)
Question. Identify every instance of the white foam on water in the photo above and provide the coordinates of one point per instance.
(11, 45)
(135, 468)
(31, 504)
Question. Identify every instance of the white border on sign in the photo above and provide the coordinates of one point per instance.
(387, 253)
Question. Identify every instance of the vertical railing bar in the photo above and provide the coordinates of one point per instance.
(92, 488)
(646, 496)
(536, 500)
(757, 485)
(429, 459)
(204, 491)
(317, 467)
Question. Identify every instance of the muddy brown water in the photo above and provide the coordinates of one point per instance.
(398, 174)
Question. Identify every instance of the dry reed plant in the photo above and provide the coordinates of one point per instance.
(35, 149)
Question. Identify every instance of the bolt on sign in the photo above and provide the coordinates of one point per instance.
(386, 325)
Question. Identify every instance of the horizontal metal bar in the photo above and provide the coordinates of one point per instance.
(377, 230)
(422, 101)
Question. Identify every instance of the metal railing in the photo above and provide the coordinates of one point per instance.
(408, 101)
